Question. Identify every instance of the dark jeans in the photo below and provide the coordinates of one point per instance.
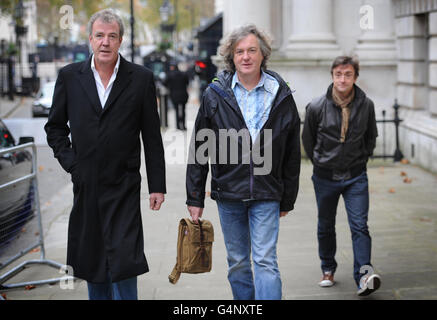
(356, 198)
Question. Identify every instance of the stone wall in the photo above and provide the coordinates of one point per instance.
(416, 34)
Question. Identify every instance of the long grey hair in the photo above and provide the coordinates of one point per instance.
(228, 47)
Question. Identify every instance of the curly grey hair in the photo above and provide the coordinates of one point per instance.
(228, 47)
(107, 16)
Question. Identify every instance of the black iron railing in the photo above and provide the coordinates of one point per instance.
(397, 155)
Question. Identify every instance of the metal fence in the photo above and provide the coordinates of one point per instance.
(28, 211)
(397, 155)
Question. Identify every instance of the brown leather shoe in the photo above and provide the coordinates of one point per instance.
(327, 280)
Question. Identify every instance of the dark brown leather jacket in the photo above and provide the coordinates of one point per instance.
(321, 135)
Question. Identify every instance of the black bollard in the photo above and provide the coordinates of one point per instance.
(398, 156)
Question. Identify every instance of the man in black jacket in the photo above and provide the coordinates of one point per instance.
(247, 112)
(339, 136)
(177, 83)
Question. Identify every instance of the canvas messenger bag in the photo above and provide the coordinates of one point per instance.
(194, 248)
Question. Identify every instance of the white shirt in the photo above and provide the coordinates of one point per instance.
(102, 92)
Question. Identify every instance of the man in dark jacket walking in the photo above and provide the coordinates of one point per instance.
(105, 103)
(247, 112)
(177, 83)
(339, 136)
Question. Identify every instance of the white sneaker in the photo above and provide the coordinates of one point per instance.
(327, 280)
(369, 285)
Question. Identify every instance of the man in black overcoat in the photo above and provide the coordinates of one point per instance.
(105, 103)
(177, 83)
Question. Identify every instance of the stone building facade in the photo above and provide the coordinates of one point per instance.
(416, 36)
(395, 41)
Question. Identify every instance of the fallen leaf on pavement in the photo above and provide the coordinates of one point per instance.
(392, 190)
(403, 174)
(425, 219)
(29, 287)
(35, 250)
(407, 180)
(41, 168)
(405, 161)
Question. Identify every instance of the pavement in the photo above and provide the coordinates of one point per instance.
(7, 107)
(402, 224)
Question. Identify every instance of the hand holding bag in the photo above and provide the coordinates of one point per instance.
(194, 248)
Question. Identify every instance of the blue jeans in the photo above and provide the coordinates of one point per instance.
(122, 290)
(252, 228)
(356, 199)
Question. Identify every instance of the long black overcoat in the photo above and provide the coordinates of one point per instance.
(103, 156)
(177, 83)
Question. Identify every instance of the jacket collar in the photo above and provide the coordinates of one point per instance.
(86, 78)
(224, 84)
(356, 102)
(266, 81)
(359, 94)
(117, 64)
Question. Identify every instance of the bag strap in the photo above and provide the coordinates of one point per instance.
(202, 237)
(176, 273)
(218, 90)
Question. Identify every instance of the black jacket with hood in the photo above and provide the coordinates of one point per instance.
(237, 178)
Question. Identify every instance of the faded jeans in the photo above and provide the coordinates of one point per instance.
(252, 228)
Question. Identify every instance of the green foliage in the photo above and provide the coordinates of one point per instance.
(186, 14)
(48, 17)
(11, 49)
(7, 6)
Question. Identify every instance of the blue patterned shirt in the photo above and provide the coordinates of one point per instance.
(255, 105)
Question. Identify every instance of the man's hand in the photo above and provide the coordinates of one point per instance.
(195, 213)
(283, 214)
(156, 199)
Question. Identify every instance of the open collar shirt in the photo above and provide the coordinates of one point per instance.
(102, 92)
(255, 105)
